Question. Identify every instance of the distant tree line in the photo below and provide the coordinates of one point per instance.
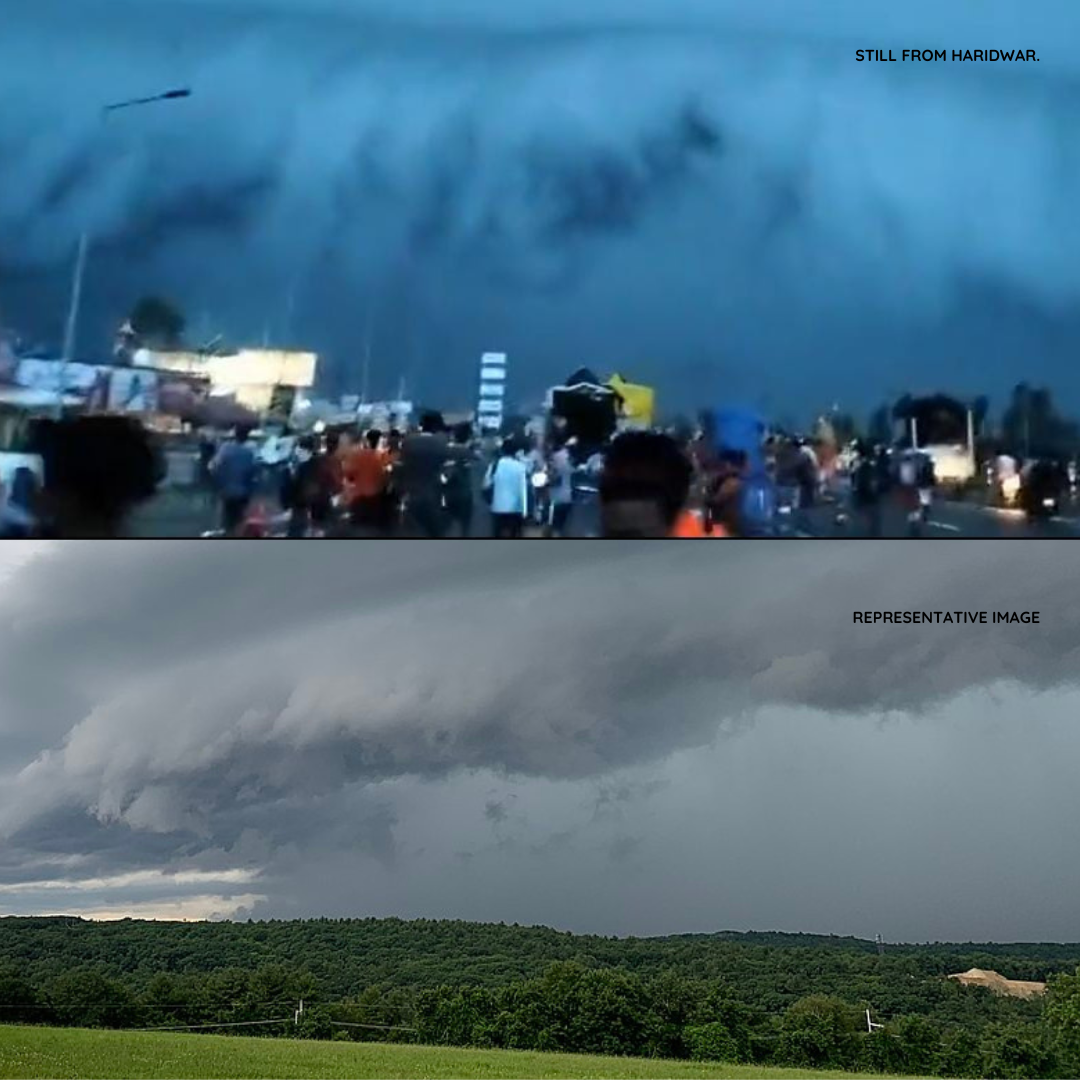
(762, 999)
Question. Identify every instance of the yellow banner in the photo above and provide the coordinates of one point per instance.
(638, 402)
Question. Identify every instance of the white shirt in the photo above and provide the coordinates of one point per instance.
(509, 480)
(562, 488)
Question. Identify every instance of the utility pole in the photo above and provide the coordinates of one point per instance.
(290, 306)
(366, 371)
(72, 321)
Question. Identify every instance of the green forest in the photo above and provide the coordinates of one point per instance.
(764, 998)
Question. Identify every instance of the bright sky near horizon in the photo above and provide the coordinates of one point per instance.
(614, 738)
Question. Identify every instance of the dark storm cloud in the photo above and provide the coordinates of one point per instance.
(722, 176)
(227, 690)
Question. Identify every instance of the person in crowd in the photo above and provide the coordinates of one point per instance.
(725, 490)
(306, 491)
(458, 487)
(533, 453)
(335, 446)
(364, 481)
(506, 487)
(235, 469)
(785, 472)
(561, 468)
(808, 476)
(645, 489)
(393, 515)
(97, 470)
(345, 444)
(908, 489)
(927, 481)
(867, 490)
(394, 439)
(423, 455)
(18, 510)
(754, 514)
(884, 470)
(207, 453)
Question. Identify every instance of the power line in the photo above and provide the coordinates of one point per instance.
(379, 1027)
(241, 1003)
(196, 1027)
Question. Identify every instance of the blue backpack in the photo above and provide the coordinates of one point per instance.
(758, 509)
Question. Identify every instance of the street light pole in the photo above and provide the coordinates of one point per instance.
(72, 324)
(76, 299)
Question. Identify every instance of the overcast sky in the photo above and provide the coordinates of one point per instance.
(617, 738)
(710, 194)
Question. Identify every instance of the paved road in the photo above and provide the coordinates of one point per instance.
(948, 520)
(183, 513)
(179, 512)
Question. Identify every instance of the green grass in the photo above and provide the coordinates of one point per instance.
(64, 1053)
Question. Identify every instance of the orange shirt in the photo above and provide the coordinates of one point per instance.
(690, 526)
(364, 474)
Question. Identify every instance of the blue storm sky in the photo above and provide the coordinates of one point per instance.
(713, 196)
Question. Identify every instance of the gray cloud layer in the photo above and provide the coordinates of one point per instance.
(243, 707)
(644, 184)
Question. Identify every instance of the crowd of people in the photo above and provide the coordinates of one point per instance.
(96, 470)
(427, 483)
(436, 481)
(419, 483)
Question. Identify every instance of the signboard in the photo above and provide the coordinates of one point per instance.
(39, 374)
(384, 415)
(117, 389)
(489, 408)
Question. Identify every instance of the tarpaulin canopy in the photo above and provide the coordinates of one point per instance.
(584, 377)
(742, 429)
(585, 409)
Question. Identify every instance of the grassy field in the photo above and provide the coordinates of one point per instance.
(64, 1053)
